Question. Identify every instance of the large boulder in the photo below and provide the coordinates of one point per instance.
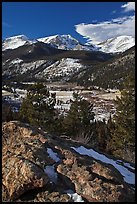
(23, 158)
(94, 181)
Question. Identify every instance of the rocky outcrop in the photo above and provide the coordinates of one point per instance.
(38, 167)
(94, 181)
(23, 158)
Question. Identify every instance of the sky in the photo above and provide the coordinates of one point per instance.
(86, 21)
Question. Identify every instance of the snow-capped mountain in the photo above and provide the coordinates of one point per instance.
(117, 44)
(15, 42)
(43, 61)
(49, 59)
(65, 42)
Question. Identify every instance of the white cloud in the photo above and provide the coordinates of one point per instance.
(130, 6)
(97, 32)
(102, 31)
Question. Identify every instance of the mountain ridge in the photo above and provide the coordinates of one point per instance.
(67, 42)
(117, 44)
(37, 60)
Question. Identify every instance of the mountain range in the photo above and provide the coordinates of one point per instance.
(60, 57)
(67, 42)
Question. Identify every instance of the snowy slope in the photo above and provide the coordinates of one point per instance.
(61, 69)
(60, 41)
(66, 42)
(117, 44)
(15, 42)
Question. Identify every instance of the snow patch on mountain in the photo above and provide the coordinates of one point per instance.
(117, 44)
(15, 42)
(63, 68)
(66, 42)
(26, 67)
(16, 61)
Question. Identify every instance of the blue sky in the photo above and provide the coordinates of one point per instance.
(82, 20)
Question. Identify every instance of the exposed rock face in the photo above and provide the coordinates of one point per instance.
(27, 151)
(94, 181)
(23, 157)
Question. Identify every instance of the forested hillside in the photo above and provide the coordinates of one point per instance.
(109, 74)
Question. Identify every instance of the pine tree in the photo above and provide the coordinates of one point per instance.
(123, 136)
(38, 107)
(101, 135)
(110, 128)
(79, 117)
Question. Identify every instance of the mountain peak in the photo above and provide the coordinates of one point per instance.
(66, 42)
(23, 37)
(14, 42)
(117, 44)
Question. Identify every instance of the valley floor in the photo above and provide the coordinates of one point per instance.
(103, 100)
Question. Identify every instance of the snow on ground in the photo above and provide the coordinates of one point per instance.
(101, 116)
(53, 155)
(6, 93)
(14, 99)
(102, 107)
(129, 176)
(129, 166)
(28, 82)
(16, 61)
(74, 196)
(65, 68)
(117, 44)
(62, 107)
(14, 42)
(25, 67)
(50, 171)
(125, 164)
(63, 95)
(3, 91)
(21, 92)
